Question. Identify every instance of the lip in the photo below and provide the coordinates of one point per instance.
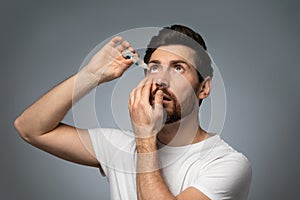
(166, 101)
(166, 97)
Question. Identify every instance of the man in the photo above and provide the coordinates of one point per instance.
(170, 156)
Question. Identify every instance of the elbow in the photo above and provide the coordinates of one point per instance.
(19, 126)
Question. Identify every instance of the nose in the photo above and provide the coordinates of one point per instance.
(162, 83)
(162, 78)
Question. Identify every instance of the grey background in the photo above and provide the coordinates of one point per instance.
(255, 45)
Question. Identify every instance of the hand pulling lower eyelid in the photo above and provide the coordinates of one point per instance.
(137, 60)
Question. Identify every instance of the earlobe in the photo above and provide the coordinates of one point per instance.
(205, 88)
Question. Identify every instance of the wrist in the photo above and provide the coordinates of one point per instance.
(90, 77)
(83, 83)
(146, 145)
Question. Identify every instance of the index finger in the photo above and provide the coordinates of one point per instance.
(114, 40)
(142, 82)
(146, 90)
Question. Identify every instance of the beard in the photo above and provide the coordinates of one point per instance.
(174, 114)
(175, 110)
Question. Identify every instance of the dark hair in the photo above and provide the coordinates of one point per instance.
(179, 34)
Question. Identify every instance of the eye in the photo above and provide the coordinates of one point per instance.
(179, 68)
(153, 68)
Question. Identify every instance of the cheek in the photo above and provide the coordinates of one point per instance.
(182, 90)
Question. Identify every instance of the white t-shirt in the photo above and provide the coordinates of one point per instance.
(211, 166)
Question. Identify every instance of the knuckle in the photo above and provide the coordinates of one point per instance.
(130, 109)
(135, 105)
(132, 93)
(138, 104)
(125, 43)
(119, 72)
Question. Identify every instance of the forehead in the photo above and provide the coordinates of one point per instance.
(174, 52)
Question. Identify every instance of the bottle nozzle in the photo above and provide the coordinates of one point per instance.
(137, 60)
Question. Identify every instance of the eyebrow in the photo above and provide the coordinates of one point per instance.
(173, 62)
(155, 61)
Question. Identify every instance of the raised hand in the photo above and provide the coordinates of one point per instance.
(108, 63)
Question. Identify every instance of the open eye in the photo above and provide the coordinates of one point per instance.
(179, 68)
(153, 68)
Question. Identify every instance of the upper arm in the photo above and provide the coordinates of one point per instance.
(68, 143)
(192, 193)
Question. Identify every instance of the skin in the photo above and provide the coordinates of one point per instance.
(40, 124)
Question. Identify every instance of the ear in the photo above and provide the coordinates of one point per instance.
(205, 88)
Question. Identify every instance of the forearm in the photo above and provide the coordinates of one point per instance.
(150, 183)
(152, 186)
(48, 111)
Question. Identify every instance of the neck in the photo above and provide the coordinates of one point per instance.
(183, 132)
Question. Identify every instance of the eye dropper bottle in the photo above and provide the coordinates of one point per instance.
(136, 60)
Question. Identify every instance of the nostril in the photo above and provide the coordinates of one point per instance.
(162, 84)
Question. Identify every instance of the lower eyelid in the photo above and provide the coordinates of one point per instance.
(181, 70)
(153, 72)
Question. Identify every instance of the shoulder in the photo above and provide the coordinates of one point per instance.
(227, 173)
(234, 166)
(227, 160)
(231, 153)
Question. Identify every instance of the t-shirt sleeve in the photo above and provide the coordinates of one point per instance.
(100, 138)
(111, 146)
(225, 178)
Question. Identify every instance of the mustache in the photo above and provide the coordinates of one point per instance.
(165, 91)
